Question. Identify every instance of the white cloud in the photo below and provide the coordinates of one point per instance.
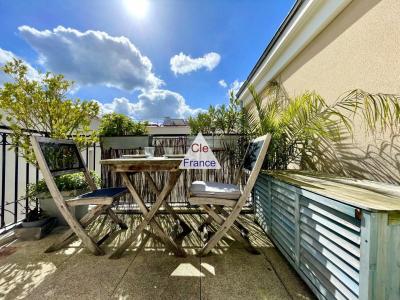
(119, 105)
(92, 57)
(182, 63)
(152, 105)
(96, 58)
(235, 86)
(6, 56)
(223, 83)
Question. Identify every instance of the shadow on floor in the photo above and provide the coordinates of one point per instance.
(147, 270)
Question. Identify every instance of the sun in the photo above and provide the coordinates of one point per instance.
(137, 8)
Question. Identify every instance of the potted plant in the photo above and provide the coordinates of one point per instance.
(35, 217)
(36, 225)
(118, 131)
(70, 186)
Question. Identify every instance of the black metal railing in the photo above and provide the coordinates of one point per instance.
(17, 174)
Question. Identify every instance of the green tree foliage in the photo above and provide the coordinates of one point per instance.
(300, 127)
(224, 119)
(114, 124)
(43, 105)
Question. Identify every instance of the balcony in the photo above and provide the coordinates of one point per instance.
(310, 230)
(147, 270)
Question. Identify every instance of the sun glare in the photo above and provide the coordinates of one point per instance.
(137, 8)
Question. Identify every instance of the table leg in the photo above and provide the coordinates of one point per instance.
(149, 214)
(186, 228)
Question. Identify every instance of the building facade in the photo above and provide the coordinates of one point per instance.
(332, 47)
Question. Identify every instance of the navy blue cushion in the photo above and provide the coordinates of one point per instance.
(107, 192)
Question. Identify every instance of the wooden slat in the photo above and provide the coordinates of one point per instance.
(336, 216)
(331, 256)
(346, 280)
(212, 201)
(142, 164)
(321, 286)
(288, 200)
(324, 243)
(352, 195)
(316, 230)
(339, 206)
(89, 201)
(320, 220)
(335, 286)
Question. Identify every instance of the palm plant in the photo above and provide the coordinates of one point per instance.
(302, 126)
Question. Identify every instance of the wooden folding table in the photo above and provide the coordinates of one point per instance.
(147, 165)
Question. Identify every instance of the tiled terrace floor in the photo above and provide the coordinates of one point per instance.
(147, 271)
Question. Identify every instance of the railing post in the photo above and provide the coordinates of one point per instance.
(94, 156)
(37, 179)
(16, 186)
(3, 179)
(87, 155)
(26, 188)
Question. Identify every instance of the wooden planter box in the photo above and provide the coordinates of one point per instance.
(124, 142)
(341, 236)
(35, 233)
(217, 141)
(47, 203)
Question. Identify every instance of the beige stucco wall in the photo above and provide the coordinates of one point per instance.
(359, 49)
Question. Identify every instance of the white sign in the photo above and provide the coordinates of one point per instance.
(199, 156)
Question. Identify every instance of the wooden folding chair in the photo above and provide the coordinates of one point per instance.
(214, 197)
(58, 157)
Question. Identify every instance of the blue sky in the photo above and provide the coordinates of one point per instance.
(148, 59)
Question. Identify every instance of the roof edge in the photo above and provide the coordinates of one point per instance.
(271, 44)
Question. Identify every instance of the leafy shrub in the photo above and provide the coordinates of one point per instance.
(114, 124)
(68, 182)
(223, 119)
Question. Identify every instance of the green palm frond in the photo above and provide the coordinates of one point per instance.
(301, 125)
(379, 111)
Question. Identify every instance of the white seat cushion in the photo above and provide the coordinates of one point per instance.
(214, 190)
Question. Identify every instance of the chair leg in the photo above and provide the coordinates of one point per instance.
(207, 222)
(238, 235)
(116, 219)
(69, 236)
(226, 225)
(237, 223)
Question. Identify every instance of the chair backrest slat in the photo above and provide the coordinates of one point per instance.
(252, 154)
(253, 161)
(61, 156)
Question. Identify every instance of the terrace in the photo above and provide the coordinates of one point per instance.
(321, 228)
(307, 229)
(147, 270)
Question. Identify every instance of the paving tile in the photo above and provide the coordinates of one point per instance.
(236, 274)
(85, 276)
(28, 266)
(295, 286)
(147, 270)
(157, 275)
